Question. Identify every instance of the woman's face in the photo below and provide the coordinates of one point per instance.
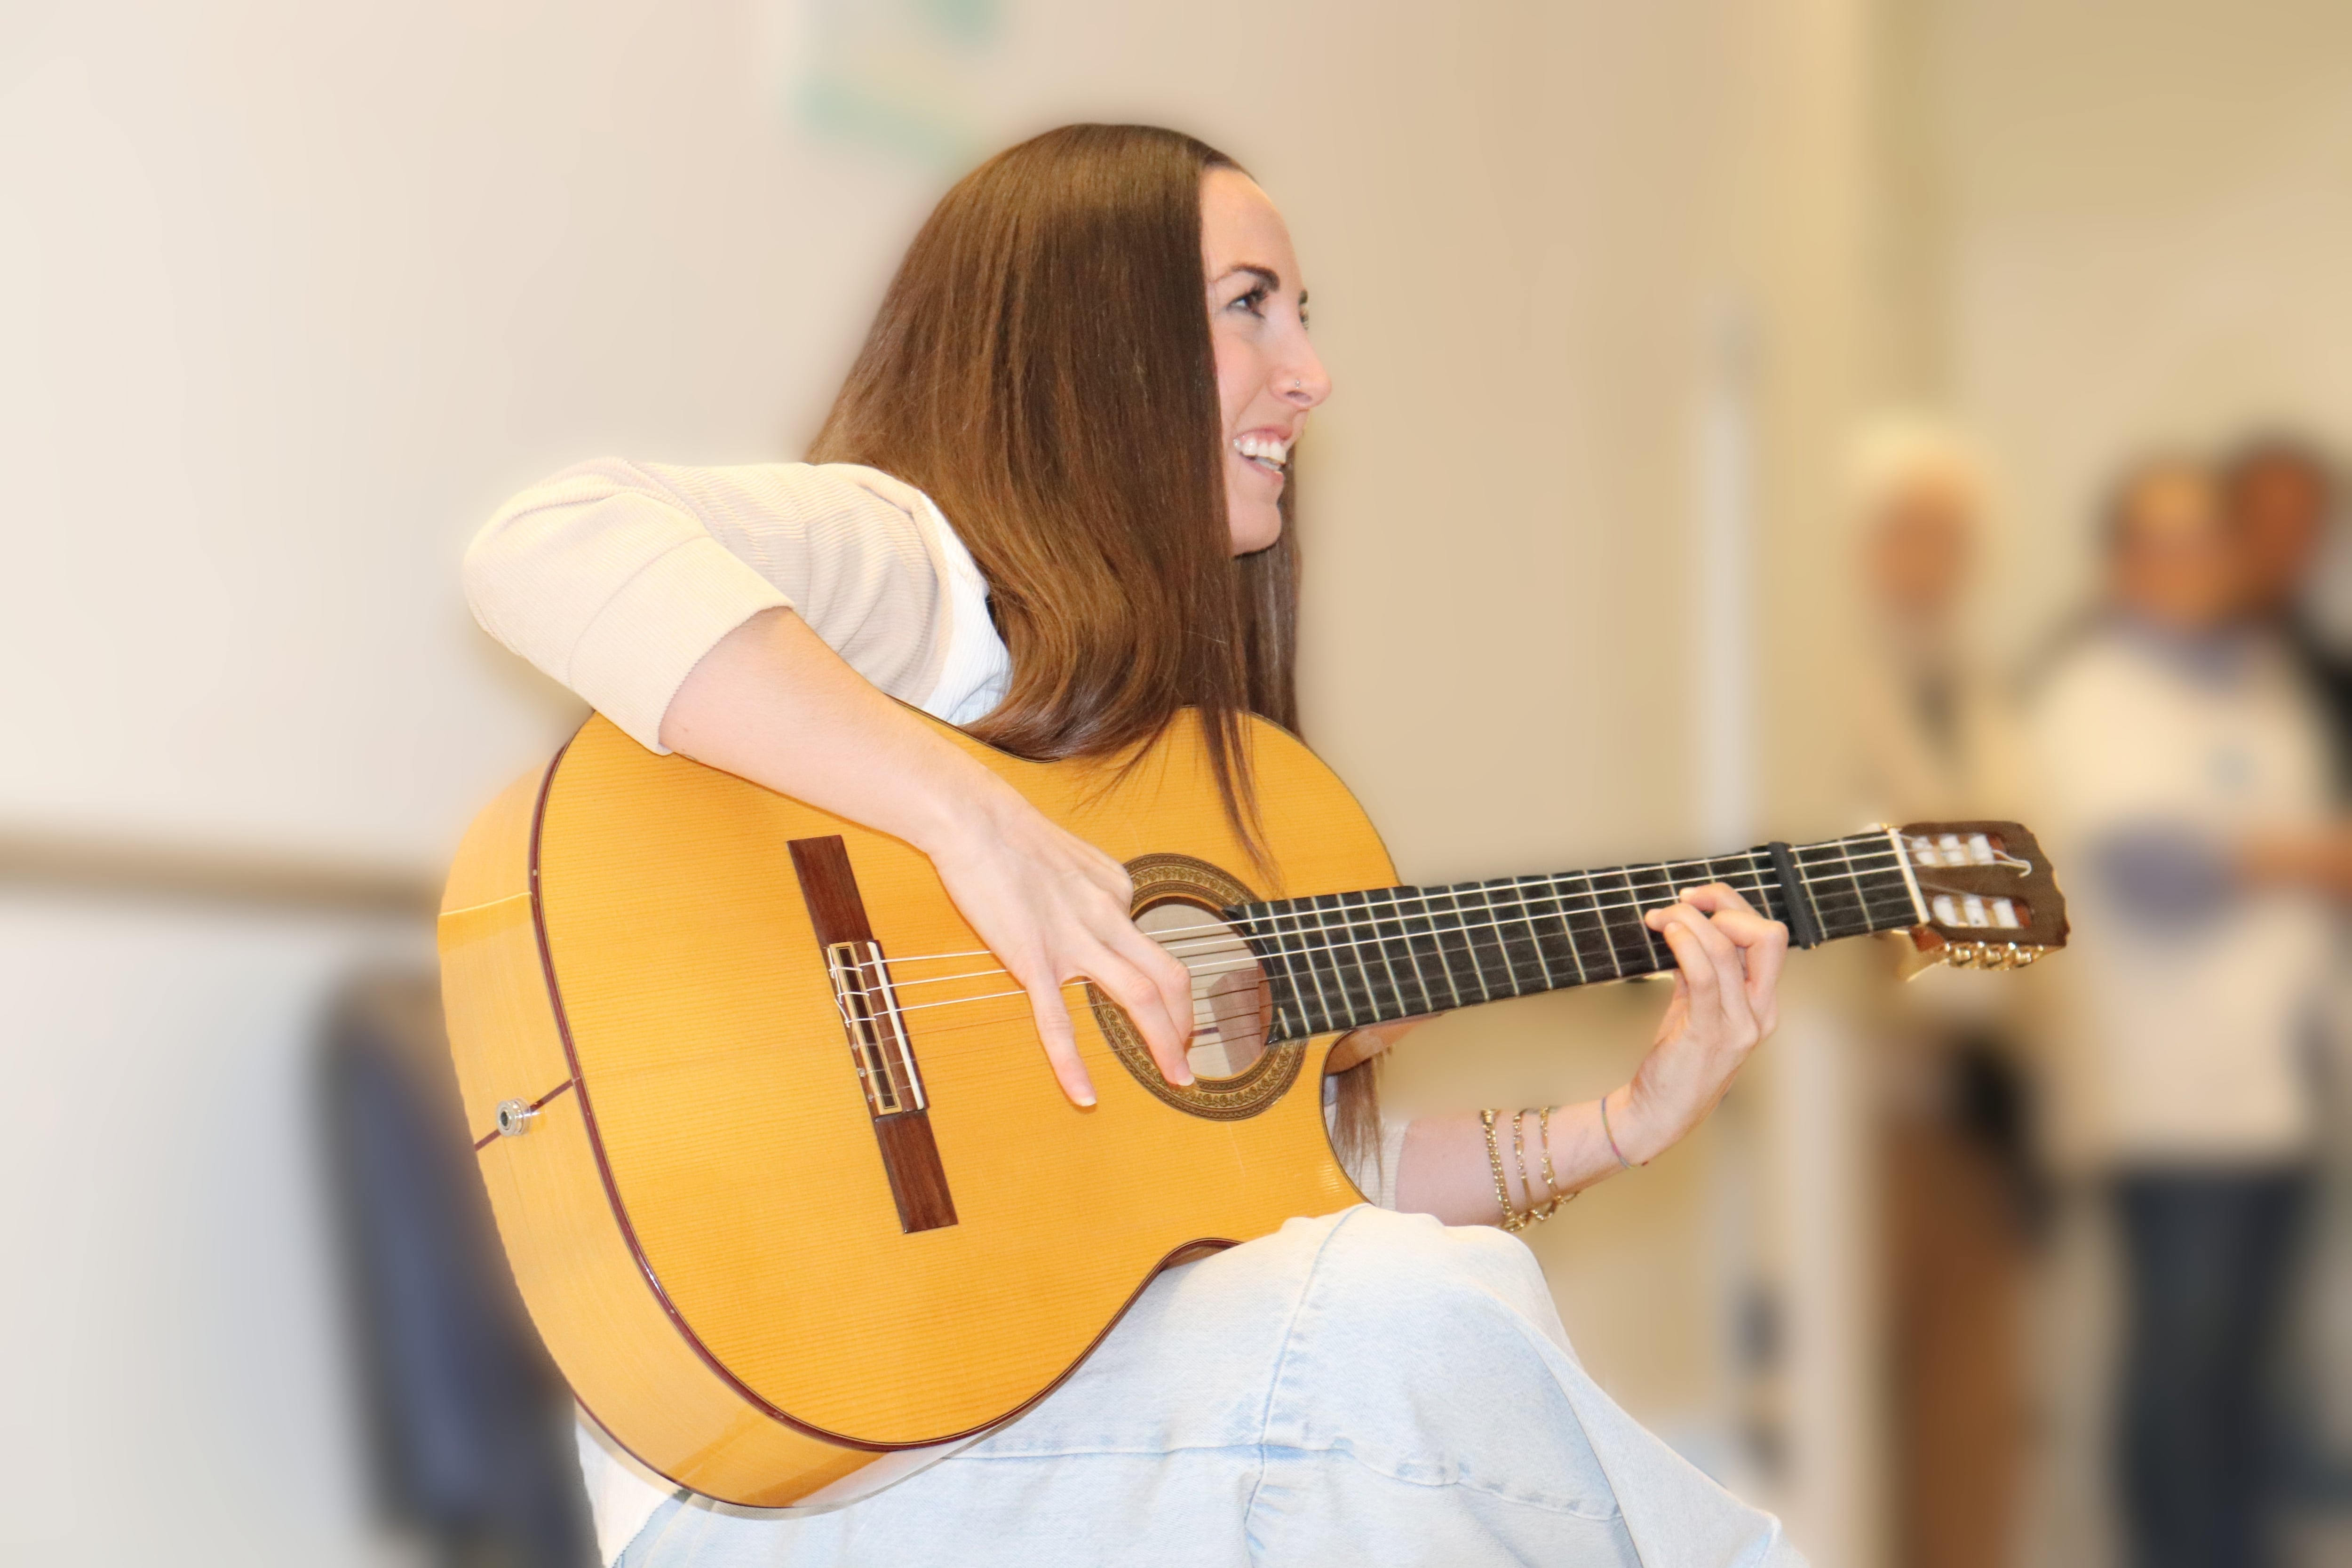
(1267, 374)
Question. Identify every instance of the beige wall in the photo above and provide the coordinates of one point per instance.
(2141, 235)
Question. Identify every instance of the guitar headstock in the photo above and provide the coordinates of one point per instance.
(1991, 898)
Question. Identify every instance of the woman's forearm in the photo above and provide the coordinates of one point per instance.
(771, 704)
(1446, 1171)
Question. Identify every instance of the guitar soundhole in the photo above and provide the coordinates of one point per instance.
(1238, 1075)
(1231, 1005)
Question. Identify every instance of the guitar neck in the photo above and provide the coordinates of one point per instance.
(1342, 961)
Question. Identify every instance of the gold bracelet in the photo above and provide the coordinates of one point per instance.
(1512, 1218)
(1543, 1139)
(1536, 1214)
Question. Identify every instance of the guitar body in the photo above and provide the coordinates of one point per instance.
(696, 1192)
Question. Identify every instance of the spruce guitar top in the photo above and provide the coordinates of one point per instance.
(777, 1162)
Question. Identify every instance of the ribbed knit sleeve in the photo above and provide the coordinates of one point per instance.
(615, 578)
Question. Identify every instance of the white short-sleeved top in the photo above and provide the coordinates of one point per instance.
(615, 578)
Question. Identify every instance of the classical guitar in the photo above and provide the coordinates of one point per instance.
(774, 1155)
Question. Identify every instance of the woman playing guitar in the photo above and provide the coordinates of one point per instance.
(1050, 505)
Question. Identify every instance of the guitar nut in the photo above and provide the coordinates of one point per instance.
(514, 1117)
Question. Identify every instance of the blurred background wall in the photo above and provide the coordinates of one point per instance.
(2129, 229)
(297, 294)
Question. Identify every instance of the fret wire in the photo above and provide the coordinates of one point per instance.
(1534, 937)
(1866, 896)
(1503, 954)
(1766, 892)
(1379, 953)
(1285, 1005)
(1375, 1007)
(1531, 935)
(1836, 900)
(1594, 925)
(1315, 942)
(1420, 981)
(1527, 934)
(1567, 937)
(1469, 946)
(1609, 927)
(1428, 940)
(1363, 970)
(1551, 984)
(1428, 932)
(1443, 953)
(1384, 944)
(1511, 975)
(1660, 956)
(1649, 938)
(1619, 963)
(1338, 971)
(1388, 925)
(1314, 974)
(1373, 954)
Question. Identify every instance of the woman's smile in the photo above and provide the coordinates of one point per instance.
(1267, 451)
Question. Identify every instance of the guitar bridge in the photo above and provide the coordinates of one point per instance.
(884, 1057)
(877, 1038)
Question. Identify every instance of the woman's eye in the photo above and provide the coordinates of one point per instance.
(1254, 302)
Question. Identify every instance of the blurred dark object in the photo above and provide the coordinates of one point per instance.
(2283, 494)
(471, 1426)
(2208, 1255)
(1961, 1196)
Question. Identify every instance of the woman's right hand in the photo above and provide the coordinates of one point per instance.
(1053, 908)
(773, 704)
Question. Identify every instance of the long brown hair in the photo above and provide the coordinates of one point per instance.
(1041, 367)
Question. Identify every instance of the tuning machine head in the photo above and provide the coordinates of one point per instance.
(1985, 894)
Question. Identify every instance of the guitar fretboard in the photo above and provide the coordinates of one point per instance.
(1341, 961)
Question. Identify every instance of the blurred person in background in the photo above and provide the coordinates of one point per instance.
(1938, 739)
(2184, 773)
(2283, 493)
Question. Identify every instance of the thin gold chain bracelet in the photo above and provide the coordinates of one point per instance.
(1543, 1141)
(1512, 1219)
(1537, 1213)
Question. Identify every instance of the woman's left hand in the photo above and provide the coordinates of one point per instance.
(1726, 1000)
